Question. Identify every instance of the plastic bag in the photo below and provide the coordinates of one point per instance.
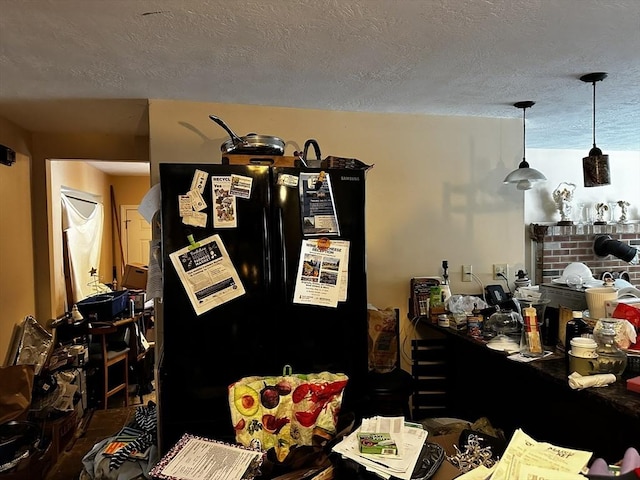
(465, 304)
(383, 339)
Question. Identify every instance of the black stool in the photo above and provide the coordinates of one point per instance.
(389, 393)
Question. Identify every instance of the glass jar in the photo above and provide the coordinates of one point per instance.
(611, 359)
(504, 323)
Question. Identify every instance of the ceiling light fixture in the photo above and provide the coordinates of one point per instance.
(524, 176)
(595, 167)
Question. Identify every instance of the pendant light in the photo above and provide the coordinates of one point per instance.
(595, 167)
(524, 176)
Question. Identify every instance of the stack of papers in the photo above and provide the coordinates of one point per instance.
(408, 437)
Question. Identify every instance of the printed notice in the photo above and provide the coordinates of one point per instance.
(225, 203)
(316, 205)
(198, 458)
(199, 181)
(320, 272)
(207, 274)
(241, 186)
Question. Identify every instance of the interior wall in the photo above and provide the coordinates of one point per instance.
(435, 191)
(128, 190)
(46, 146)
(566, 166)
(17, 292)
(77, 175)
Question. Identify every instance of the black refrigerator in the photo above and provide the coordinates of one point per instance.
(262, 330)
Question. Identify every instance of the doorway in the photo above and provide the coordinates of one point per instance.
(136, 235)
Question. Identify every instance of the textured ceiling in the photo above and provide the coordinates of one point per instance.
(78, 65)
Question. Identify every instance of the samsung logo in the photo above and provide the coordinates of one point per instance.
(350, 179)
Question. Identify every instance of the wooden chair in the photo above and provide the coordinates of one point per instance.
(105, 355)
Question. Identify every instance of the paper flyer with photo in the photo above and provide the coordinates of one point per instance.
(241, 186)
(207, 274)
(316, 204)
(322, 266)
(224, 215)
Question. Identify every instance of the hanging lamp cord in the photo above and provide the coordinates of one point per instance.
(524, 134)
(594, 114)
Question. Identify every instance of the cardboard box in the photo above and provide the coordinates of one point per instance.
(447, 470)
(610, 305)
(135, 276)
(61, 431)
(377, 443)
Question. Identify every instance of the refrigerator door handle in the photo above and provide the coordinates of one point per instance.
(283, 253)
(265, 248)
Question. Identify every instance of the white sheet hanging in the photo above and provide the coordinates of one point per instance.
(84, 238)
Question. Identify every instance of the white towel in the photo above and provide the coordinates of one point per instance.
(578, 382)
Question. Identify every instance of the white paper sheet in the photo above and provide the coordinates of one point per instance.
(320, 272)
(207, 274)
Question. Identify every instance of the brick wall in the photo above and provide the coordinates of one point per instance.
(556, 246)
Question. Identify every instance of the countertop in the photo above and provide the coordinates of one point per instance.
(604, 420)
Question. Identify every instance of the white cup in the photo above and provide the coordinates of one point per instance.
(583, 347)
(596, 298)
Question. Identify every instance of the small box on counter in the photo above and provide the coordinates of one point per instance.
(135, 276)
(377, 444)
(633, 384)
(435, 311)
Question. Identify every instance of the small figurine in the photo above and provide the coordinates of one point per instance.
(600, 209)
(563, 196)
(623, 210)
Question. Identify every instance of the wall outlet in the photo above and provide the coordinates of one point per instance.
(500, 268)
(467, 270)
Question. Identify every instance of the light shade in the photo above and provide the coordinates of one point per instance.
(595, 166)
(595, 170)
(524, 176)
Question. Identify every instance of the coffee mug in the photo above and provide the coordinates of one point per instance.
(596, 298)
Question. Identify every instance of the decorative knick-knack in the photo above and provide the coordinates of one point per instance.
(563, 195)
(624, 205)
(601, 208)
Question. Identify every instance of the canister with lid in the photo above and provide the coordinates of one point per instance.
(575, 328)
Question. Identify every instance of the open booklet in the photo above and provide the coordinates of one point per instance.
(408, 437)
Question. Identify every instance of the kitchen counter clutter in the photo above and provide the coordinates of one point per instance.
(484, 383)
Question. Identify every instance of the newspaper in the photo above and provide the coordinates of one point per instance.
(527, 459)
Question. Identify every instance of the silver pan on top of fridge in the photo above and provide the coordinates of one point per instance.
(250, 144)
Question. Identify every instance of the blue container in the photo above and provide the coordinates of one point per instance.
(104, 307)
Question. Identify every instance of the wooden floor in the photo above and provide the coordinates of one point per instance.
(96, 425)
